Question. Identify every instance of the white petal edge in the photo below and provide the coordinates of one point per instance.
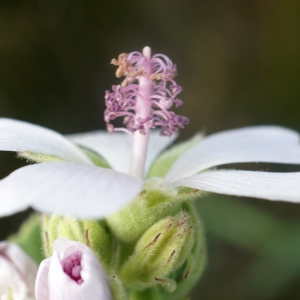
(41, 283)
(79, 190)
(269, 144)
(264, 185)
(22, 136)
(116, 148)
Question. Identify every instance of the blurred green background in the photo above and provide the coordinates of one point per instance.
(239, 65)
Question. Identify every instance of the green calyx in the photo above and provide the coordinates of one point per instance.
(153, 204)
(167, 260)
(162, 249)
(157, 201)
(94, 234)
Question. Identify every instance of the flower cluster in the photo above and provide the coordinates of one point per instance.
(137, 231)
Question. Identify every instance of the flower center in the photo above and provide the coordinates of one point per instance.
(144, 99)
(72, 267)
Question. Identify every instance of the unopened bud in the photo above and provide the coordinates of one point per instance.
(162, 249)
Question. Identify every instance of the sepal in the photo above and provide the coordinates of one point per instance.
(162, 249)
(156, 201)
(32, 157)
(94, 234)
(164, 162)
(118, 289)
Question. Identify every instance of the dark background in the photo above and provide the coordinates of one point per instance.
(239, 65)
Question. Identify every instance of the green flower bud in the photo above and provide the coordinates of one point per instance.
(162, 250)
(94, 234)
(192, 269)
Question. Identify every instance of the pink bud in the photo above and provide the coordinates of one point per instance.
(73, 272)
(17, 272)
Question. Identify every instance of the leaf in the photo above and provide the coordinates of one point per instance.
(29, 237)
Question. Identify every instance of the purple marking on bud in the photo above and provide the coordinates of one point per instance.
(122, 101)
(72, 267)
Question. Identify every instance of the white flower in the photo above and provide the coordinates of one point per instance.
(77, 187)
(73, 272)
(17, 273)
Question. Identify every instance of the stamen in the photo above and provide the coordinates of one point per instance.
(144, 99)
(72, 267)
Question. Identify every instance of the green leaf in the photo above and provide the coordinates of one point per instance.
(29, 237)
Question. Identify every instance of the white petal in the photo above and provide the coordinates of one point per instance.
(252, 144)
(83, 191)
(41, 284)
(266, 185)
(17, 271)
(26, 267)
(95, 286)
(22, 136)
(116, 148)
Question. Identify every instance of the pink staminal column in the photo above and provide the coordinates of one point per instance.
(143, 113)
(144, 99)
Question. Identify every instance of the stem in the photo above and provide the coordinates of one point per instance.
(143, 110)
